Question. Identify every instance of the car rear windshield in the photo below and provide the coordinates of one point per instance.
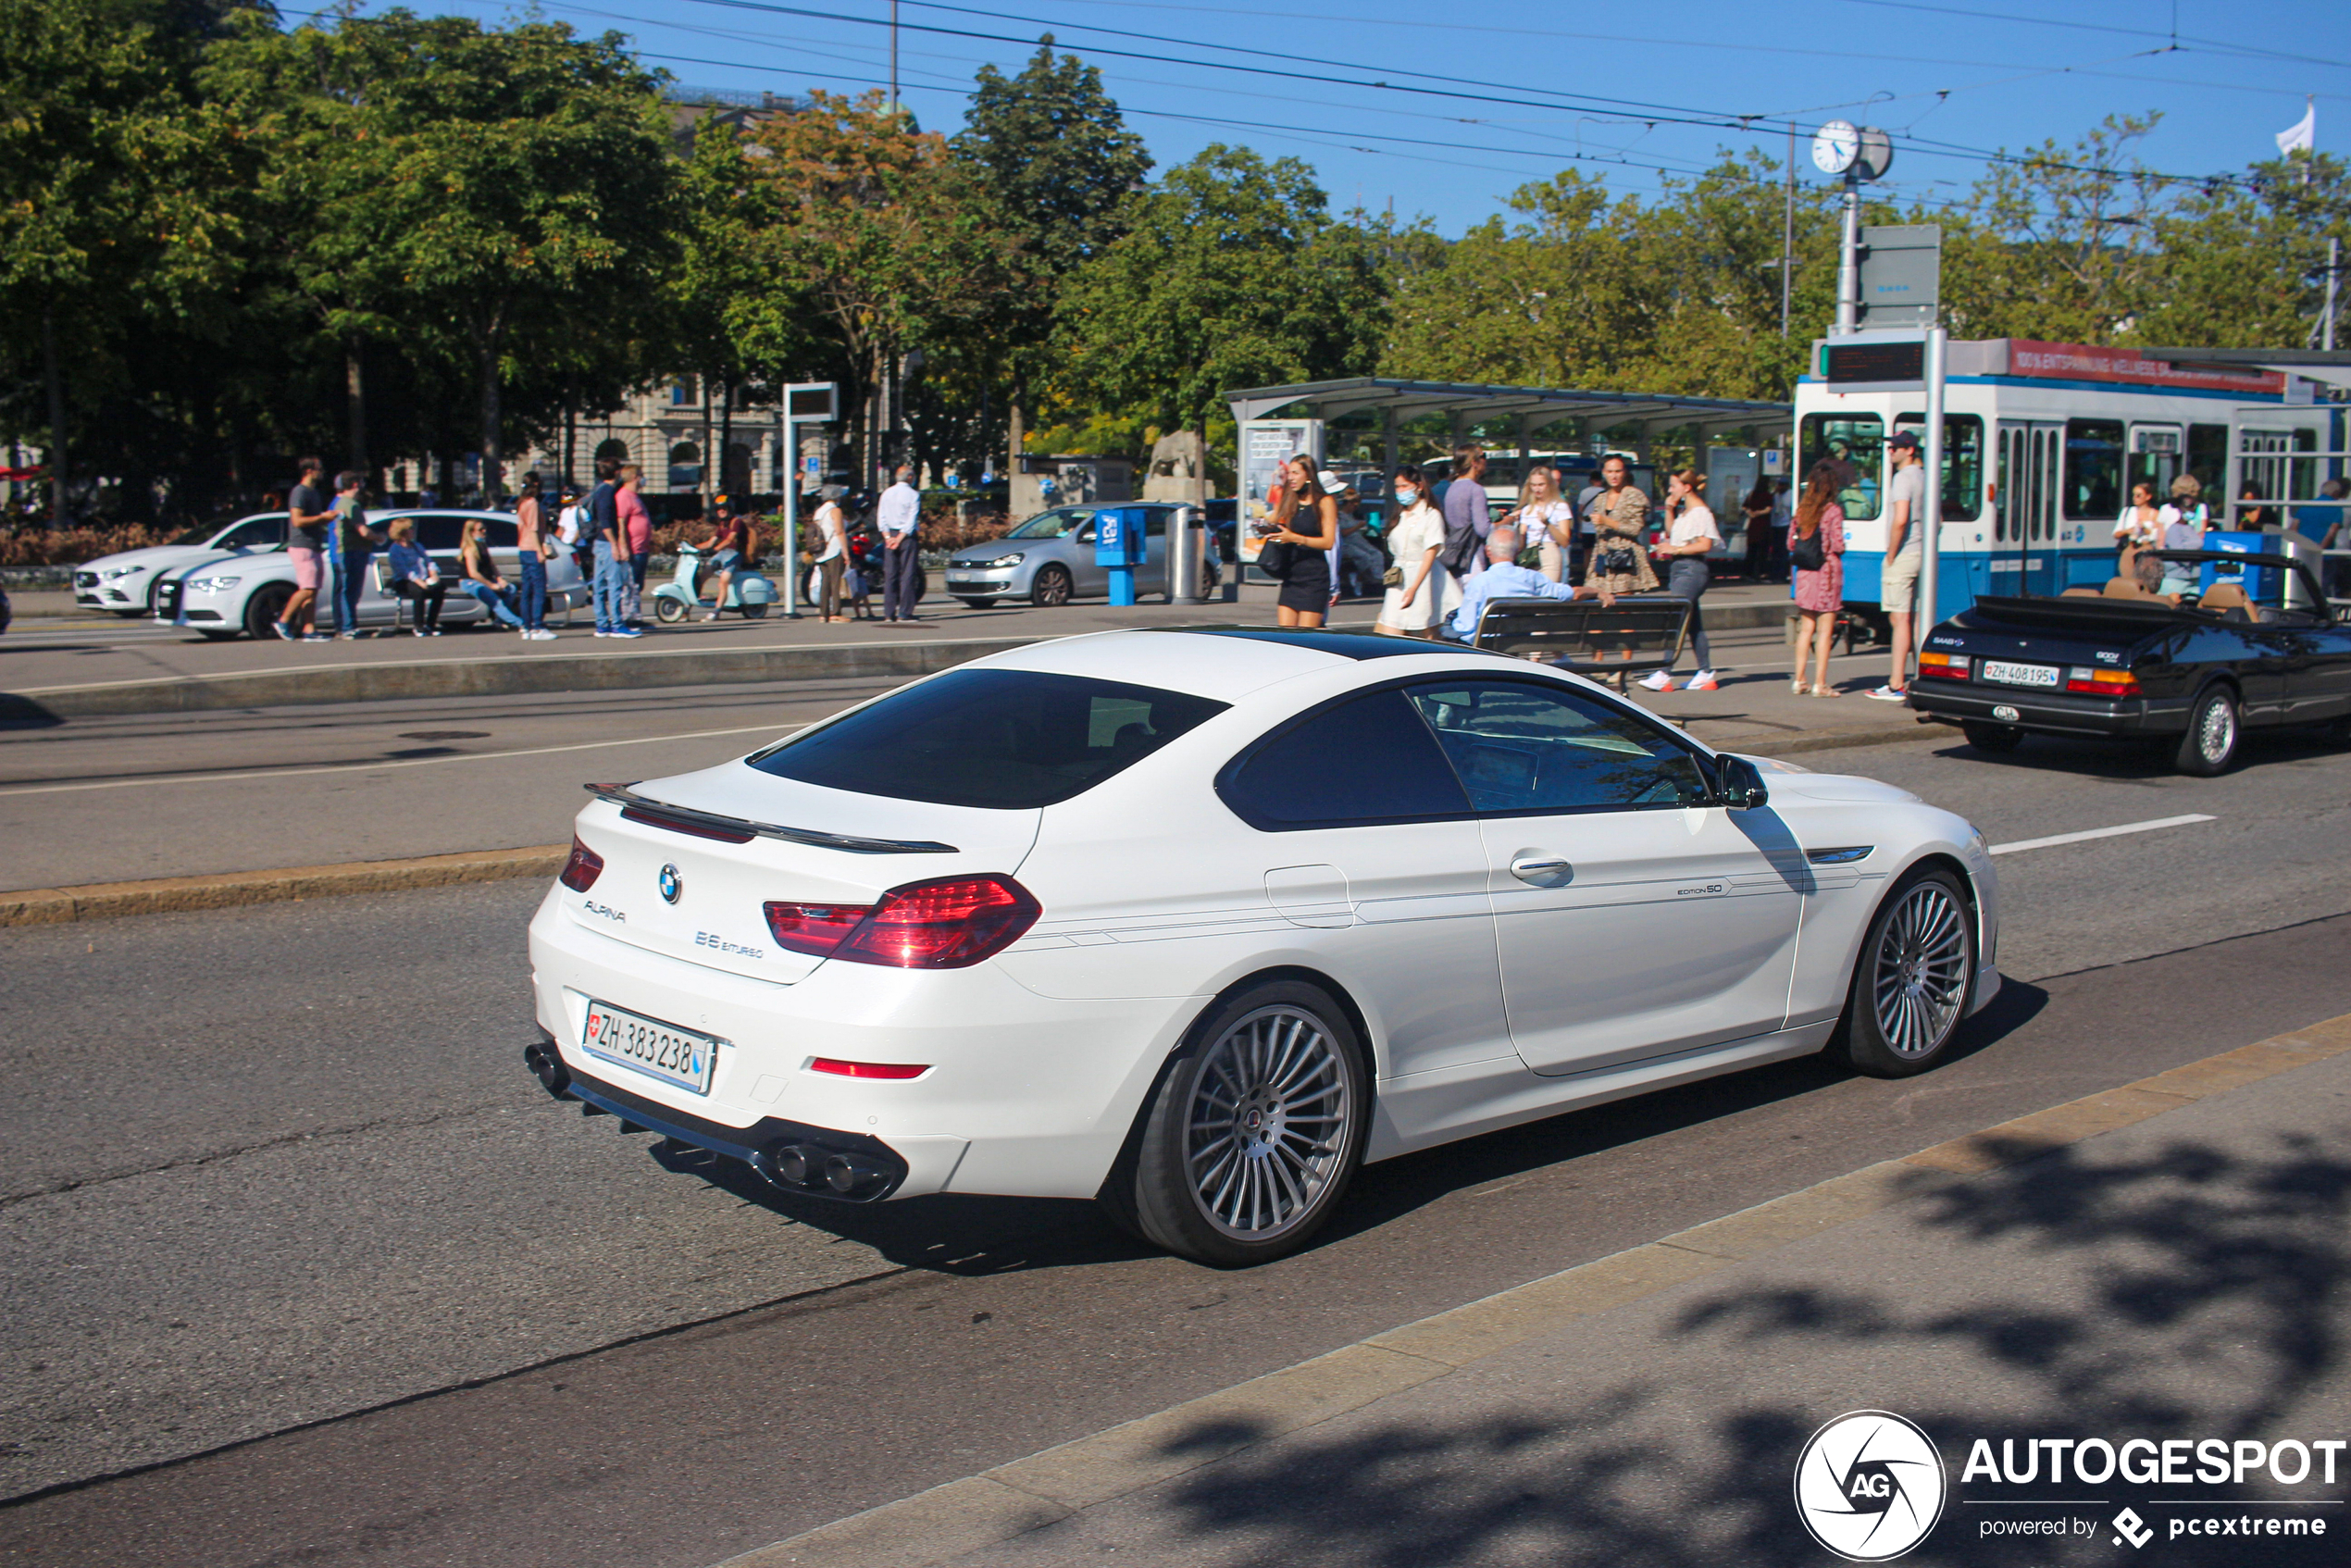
(1013, 740)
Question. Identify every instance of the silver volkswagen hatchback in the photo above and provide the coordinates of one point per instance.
(1050, 560)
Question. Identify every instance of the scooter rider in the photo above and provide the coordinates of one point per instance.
(729, 541)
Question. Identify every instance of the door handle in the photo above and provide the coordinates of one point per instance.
(1541, 868)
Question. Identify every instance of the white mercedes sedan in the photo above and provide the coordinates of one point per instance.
(1195, 923)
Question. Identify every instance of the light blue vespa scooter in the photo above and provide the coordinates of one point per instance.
(750, 592)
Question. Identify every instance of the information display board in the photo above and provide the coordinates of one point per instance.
(1266, 444)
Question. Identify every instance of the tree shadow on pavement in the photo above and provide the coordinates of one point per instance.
(2179, 1290)
(972, 1235)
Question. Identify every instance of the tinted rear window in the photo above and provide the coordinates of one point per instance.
(1012, 740)
(1367, 760)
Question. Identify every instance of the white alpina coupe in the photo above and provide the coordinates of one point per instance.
(1195, 923)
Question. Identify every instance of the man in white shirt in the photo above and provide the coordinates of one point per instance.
(900, 516)
(1904, 554)
(1505, 578)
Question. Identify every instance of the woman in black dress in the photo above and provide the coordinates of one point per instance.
(1308, 523)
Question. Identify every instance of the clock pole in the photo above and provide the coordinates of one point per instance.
(1848, 265)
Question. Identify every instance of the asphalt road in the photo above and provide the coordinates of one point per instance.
(279, 1195)
(121, 798)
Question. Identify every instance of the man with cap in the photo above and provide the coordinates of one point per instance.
(1905, 553)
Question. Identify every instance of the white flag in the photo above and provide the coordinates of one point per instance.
(2302, 134)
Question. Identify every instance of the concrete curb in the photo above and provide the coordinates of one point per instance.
(104, 900)
(997, 1505)
(304, 685)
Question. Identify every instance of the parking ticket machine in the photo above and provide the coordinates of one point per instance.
(1119, 545)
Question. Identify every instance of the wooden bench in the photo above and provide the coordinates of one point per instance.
(1635, 635)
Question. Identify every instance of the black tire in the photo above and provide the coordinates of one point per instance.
(1912, 981)
(669, 612)
(2214, 730)
(214, 634)
(268, 601)
(755, 612)
(1281, 1067)
(1991, 738)
(132, 615)
(1051, 589)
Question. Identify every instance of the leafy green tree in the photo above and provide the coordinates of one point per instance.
(106, 165)
(1231, 274)
(1056, 164)
(875, 230)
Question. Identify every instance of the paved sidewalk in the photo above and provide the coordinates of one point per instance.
(2175, 1267)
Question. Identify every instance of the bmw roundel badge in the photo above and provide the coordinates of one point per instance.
(671, 884)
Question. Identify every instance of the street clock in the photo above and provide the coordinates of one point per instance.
(1836, 146)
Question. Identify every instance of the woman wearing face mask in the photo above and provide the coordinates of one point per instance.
(1420, 595)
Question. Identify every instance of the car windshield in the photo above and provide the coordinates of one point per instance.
(1053, 525)
(195, 536)
(1012, 739)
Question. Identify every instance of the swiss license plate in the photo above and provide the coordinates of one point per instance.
(662, 1051)
(2019, 675)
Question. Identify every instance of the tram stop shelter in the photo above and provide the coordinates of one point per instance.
(1526, 409)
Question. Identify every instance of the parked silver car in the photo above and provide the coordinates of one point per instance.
(126, 582)
(1050, 560)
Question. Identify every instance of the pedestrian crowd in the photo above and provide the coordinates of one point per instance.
(607, 533)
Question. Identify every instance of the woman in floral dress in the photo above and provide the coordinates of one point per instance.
(1819, 591)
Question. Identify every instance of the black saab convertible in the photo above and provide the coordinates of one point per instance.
(2190, 673)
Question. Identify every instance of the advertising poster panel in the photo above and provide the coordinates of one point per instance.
(1265, 445)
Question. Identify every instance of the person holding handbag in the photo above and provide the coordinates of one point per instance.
(1420, 592)
(1306, 573)
(1545, 519)
(1816, 549)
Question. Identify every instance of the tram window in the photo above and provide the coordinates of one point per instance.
(2093, 470)
(2209, 456)
(1856, 439)
(1962, 461)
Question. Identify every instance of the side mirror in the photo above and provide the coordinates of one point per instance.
(1743, 788)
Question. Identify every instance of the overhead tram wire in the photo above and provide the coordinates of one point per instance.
(2217, 44)
(1617, 110)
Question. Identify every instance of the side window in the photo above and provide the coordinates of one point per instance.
(502, 535)
(259, 534)
(440, 534)
(1856, 439)
(1155, 522)
(1368, 760)
(2093, 470)
(1521, 747)
(1962, 461)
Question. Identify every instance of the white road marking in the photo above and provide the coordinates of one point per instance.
(2088, 834)
(409, 762)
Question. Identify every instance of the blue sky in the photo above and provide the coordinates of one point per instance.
(1475, 103)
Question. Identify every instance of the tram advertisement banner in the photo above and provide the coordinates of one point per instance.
(2080, 362)
(1266, 444)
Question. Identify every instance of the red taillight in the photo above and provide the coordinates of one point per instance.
(944, 925)
(815, 928)
(1943, 666)
(869, 1069)
(2101, 682)
(581, 870)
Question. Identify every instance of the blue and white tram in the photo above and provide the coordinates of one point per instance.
(2042, 445)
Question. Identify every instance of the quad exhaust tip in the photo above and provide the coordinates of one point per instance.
(806, 1167)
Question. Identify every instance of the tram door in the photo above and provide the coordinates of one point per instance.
(2024, 542)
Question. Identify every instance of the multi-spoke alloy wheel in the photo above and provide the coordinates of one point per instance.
(1253, 1133)
(1921, 970)
(2211, 745)
(1268, 1125)
(1911, 988)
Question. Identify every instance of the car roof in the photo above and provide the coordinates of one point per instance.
(1224, 663)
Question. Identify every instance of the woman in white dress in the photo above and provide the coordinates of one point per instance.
(1544, 518)
(1426, 593)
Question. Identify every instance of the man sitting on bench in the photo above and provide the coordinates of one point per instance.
(1505, 578)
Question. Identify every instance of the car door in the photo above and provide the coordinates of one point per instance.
(1633, 917)
(1363, 830)
(1076, 551)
